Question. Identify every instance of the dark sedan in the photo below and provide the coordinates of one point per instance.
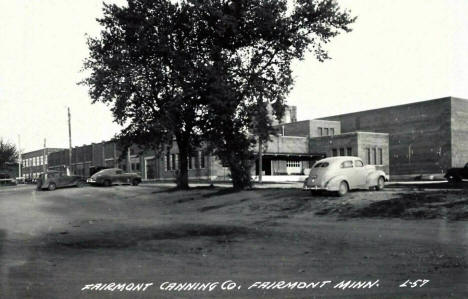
(56, 179)
(107, 177)
(455, 175)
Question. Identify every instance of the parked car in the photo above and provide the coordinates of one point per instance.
(56, 179)
(107, 177)
(455, 175)
(5, 179)
(341, 174)
(95, 169)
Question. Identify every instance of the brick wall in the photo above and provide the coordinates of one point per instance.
(459, 132)
(419, 134)
(287, 144)
(309, 128)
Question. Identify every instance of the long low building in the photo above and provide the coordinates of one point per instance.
(407, 141)
(425, 138)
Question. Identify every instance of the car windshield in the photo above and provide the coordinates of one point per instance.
(321, 164)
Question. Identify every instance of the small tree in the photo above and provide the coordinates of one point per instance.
(252, 45)
(8, 153)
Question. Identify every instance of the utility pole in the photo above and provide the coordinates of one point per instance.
(44, 154)
(129, 164)
(260, 158)
(20, 156)
(69, 141)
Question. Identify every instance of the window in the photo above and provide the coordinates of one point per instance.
(173, 162)
(320, 132)
(177, 161)
(374, 155)
(334, 152)
(118, 172)
(41, 160)
(202, 159)
(368, 157)
(326, 131)
(189, 162)
(322, 164)
(347, 164)
(45, 159)
(358, 163)
(293, 163)
(136, 166)
(168, 162)
(349, 151)
(342, 151)
(332, 131)
(380, 156)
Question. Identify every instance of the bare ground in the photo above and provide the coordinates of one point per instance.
(54, 243)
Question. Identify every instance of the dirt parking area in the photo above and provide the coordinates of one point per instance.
(62, 244)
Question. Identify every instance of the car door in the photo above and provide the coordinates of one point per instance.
(60, 179)
(119, 176)
(465, 172)
(360, 173)
(346, 170)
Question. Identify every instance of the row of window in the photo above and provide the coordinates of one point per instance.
(293, 163)
(172, 161)
(326, 131)
(35, 161)
(33, 175)
(374, 156)
(341, 151)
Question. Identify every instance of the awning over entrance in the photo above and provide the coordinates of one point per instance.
(285, 163)
(293, 156)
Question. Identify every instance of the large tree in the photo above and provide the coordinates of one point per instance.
(148, 66)
(252, 46)
(8, 153)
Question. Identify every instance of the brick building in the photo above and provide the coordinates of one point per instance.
(424, 138)
(406, 141)
(35, 162)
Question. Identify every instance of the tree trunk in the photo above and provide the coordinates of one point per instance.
(240, 172)
(182, 175)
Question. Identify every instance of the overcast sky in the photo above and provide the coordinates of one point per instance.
(400, 51)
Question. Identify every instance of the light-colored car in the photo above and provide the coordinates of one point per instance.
(341, 174)
(52, 180)
(107, 177)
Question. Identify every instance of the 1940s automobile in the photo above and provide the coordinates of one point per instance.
(55, 179)
(341, 174)
(107, 177)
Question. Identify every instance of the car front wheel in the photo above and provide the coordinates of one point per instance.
(380, 184)
(343, 189)
(135, 182)
(453, 179)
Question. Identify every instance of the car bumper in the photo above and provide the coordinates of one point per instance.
(90, 181)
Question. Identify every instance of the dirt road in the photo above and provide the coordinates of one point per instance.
(54, 244)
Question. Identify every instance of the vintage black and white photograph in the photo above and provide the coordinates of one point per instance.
(233, 149)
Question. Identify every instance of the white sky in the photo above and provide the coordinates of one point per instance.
(399, 52)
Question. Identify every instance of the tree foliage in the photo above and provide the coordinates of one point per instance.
(8, 153)
(205, 70)
(146, 65)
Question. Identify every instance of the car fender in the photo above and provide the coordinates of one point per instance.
(333, 184)
(373, 176)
